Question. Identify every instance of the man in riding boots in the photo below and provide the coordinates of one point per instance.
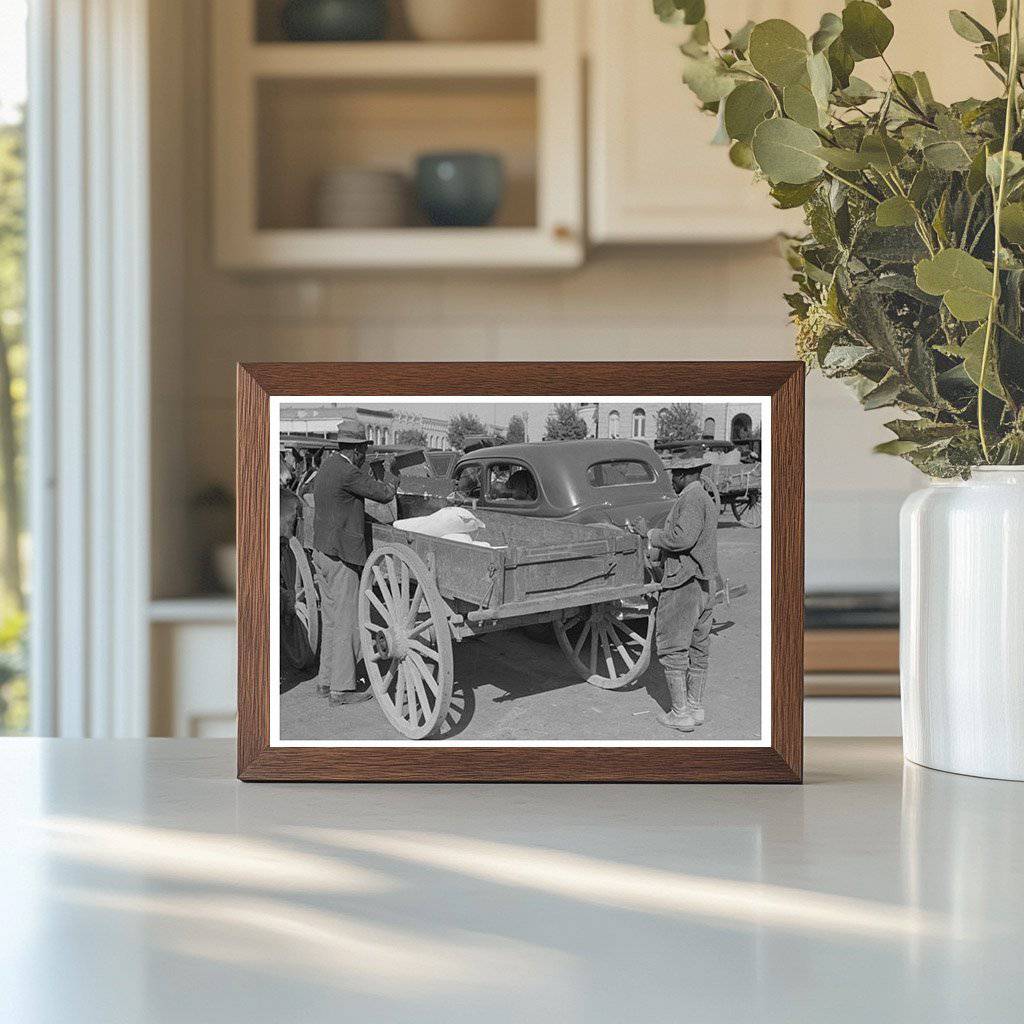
(688, 545)
(340, 528)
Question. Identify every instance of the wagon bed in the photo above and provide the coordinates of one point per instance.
(419, 593)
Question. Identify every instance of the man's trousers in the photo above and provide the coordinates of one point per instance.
(338, 583)
(683, 626)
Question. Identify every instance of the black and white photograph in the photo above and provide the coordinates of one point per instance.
(513, 571)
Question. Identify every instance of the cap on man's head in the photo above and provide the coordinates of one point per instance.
(350, 432)
(687, 462)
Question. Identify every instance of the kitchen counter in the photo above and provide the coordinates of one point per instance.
(140, 882)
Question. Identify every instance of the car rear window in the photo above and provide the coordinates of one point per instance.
(620, 471)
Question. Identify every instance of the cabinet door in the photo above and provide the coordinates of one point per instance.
(654, 176)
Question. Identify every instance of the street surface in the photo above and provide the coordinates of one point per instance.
(511, 687)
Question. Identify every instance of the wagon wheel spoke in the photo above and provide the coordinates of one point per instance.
(420, 627)
(384, 611)
(406, 581)
(422, 649)
(579, 640)
(620, 646)
(398, 595)
(593, 651)
(400, 690)
(385, 590)
(415, 603)
(416, 678)
(425, 672)
(410, 692)
(608, 660)
(633, 636)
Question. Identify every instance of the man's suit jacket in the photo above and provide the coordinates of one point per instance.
(339, 492)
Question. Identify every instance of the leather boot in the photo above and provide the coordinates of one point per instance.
(678, 718)
(696, 683)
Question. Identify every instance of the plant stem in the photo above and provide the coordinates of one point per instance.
(1011, 108)
(853, 185)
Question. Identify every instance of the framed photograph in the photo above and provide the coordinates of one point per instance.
(520, 571)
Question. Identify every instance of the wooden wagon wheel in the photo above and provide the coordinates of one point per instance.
(307, 605)
(405, 640)
(747, 509)
(609, 645)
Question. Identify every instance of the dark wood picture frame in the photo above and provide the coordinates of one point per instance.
(781, 761)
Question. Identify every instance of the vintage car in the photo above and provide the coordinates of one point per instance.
(609, 482)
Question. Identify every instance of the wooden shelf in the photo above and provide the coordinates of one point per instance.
(856, 651)
(393, 60)
(319, 248)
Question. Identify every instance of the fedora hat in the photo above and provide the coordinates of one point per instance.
(687, 462)
(350, 432)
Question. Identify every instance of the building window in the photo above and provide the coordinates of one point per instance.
(639, 423)
(613, 424)
(709, 427)
(742, 427)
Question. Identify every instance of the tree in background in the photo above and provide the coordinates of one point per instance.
(411, 435)
(13, 408)
(565, 423)
(462, 424)
(516, 432)
(678, 423)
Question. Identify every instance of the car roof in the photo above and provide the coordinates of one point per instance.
(586, 451)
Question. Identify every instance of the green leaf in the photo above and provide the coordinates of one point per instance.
(922, 185)
(801, 106)
(895, 212)
(819, 74)
(976, 174)
(882, 151)
(947, 156)
(922, 431)
(788, 196)
(779, 51)
(844, 159)
(745, 108)
(690, 12)
(963, 281)
(993, 167)
(857, 91)
(707, 78)
(969, 28)
(999, 9)
(787, 151)
(866, 29)
(1012, 224)
(895, 447)
(971, 352)
(841, 63)
(885, 394)
(741, 155)
(829, 30)
(924, 88)
(739, 41)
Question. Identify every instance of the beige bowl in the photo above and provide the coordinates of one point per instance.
(471, 20)
(362, 198)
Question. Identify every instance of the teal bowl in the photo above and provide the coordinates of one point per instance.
(334, 21)
(462, 190)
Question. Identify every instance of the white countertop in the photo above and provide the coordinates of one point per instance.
(140, 882)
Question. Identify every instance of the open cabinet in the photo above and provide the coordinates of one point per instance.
(286, 115)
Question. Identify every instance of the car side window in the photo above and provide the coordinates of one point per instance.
(509, 483)
(616, 472)
(467, 482)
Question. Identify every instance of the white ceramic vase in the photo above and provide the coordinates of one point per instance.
(962, 624)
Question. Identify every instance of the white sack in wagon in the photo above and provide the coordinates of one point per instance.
(442, 522)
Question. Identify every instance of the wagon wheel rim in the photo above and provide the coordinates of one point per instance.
(307, 605)
(405, 640)
(747, 510)
(609, 645)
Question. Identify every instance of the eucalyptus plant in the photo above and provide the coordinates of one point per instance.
(910, 277)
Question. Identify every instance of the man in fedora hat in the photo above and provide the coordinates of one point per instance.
(340, 490)
(688, 546)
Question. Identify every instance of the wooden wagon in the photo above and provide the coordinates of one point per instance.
(418, 594)
(738, 487)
